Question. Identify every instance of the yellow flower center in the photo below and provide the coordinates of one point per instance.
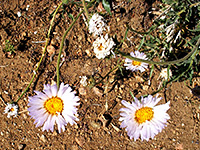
(12, 109)
(136, 63)
(54, 105)
(143, 114)
(100, 47)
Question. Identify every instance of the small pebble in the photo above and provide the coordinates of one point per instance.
(1, 133)
(50, 49)
(145, 87)
(20, 146)
(97, 91)
(43, 138)
(82, 91)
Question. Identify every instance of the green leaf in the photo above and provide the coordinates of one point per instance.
(106, 5)
(142, 42)
(151, 72)
(65, 2)
(71, 16)
(132, 95)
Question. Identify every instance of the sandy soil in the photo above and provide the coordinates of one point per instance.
(98, 128)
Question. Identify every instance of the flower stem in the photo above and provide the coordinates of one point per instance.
(61, 47)
(62, 44)
(38, 65)
(85, 8)
(162, 63)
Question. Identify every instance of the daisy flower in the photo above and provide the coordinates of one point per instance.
(103, 46)
(136, 65)
(54, 106)
(97, 25)
(144, 119)
(11, 110)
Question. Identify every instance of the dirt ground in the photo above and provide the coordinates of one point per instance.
(98, 128)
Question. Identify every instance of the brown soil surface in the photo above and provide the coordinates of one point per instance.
(98, 128)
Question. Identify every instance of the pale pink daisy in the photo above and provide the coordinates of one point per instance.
(54, 106)
(136, 65)
(142, 118)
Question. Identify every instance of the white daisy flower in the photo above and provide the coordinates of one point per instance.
(83, 81)
(53, 105)
(144, 119)
(103, 46)
(164, 74)
(136, 65)
(97, 25)
(11, 110)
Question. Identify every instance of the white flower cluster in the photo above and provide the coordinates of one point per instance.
(97, 25)
(103, 45)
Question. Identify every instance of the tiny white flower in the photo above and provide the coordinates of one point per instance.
(19, 14)
(142, 118)
(27, 7)
(164, 74)
(83, 81)
(11, 110)
(54, 106)
(136, 65)
(103, 46)
(97, 25)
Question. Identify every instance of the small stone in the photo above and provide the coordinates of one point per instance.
(43, 138)
(97, 91)
(139, 79)
(1, 133)
(82, 91)
(80, 38)
(54, 42)
(112, 79)
(145, 87)
(74, 147)
(24, 34)
(51, 50)
(88, 52)
(54, 133)
(20, 146)
(25, 116)
(79, 141)
(95, 124)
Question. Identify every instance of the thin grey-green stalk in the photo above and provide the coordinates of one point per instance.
(62, 44)
(85, 8)
(47, 41)
(61, 47)
(163, 63)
